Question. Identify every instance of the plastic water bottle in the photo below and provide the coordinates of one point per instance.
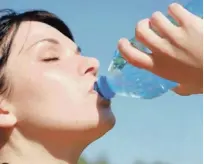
(126, 80)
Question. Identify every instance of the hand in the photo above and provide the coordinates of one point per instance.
(177, 51)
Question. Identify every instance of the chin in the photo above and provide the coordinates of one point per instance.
(99, 132)
(107, 119)
(98, 129)
(105, 124)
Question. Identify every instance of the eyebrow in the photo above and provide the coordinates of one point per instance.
(51, 40)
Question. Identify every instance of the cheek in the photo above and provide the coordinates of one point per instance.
(49, 93)
(47, 97)
(66, 99)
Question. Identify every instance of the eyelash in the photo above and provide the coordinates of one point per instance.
(51, 59)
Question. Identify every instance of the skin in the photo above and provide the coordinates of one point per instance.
(52, 110)
(52, 113)
(177, 52)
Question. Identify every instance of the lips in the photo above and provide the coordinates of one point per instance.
(100, 100)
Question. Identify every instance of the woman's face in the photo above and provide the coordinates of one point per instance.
(52, 85)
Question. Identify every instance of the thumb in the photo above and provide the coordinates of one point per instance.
(134, 56)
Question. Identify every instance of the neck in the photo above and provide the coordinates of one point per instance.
(19, 150)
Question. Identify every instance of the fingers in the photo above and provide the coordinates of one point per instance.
(134, 56)
(167, 29)
(163, 26)
(180, 14)
(149, 38)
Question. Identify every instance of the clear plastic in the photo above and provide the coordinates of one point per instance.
(126, 80)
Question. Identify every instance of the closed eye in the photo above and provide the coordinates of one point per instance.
(51, 59)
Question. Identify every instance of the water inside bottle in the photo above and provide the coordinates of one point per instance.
(128, 80)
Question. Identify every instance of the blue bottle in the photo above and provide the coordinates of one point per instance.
(126, 80)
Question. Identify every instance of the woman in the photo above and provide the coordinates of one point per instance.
(49, 111)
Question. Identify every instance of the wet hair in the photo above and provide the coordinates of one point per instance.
(9, 24)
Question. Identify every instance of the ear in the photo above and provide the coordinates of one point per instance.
(7, 118)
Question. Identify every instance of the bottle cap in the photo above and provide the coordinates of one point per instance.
(102, 87)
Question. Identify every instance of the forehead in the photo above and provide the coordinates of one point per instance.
(30, 32)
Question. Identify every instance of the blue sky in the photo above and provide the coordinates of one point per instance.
(168, 128)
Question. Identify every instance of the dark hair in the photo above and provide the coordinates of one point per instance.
(9, 24)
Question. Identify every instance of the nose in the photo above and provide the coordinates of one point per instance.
(90, 66)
